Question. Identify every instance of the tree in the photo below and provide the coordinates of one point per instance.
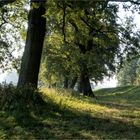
(34, 44)
(27, 64)
(81, 46)
(127, 74)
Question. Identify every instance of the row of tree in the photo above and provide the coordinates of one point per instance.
(82, 40)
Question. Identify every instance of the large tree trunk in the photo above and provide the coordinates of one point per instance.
(85, 86)
(33, 48)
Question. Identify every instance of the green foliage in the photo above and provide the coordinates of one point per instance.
(94, 27)
(91, 24)
(129, 74)
(13, 19)
(85, 32)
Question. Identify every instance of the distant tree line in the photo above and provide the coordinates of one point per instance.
(129, 74)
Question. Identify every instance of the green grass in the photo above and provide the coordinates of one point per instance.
(115, 114)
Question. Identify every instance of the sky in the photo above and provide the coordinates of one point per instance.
(112, 82)
(9, 77)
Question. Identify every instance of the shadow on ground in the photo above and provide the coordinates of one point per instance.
(50, 121)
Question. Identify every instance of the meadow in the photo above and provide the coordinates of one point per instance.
(64, 114)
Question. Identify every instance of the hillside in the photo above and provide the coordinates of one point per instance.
(115, 114)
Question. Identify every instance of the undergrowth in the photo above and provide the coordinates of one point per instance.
(25, 98)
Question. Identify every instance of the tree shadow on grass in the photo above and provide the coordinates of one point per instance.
(53, 121)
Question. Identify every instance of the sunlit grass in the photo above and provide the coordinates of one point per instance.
(68, 101)
(115, 114)
(113, 107)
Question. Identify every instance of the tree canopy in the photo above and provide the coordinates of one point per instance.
(83, 40)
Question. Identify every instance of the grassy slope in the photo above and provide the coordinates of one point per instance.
(115, 114)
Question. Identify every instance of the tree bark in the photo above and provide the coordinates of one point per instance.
(66, 82)
(85, 83)
(33, 49)
(85, 86)
(73, 82)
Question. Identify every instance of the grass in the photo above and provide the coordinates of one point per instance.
(115, 114)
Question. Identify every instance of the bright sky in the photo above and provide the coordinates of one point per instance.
(9, 77)
(12, 77)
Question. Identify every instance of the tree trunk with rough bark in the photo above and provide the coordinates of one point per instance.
(33, 49)
(85, 83)
(66, 82)
(73, 82)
